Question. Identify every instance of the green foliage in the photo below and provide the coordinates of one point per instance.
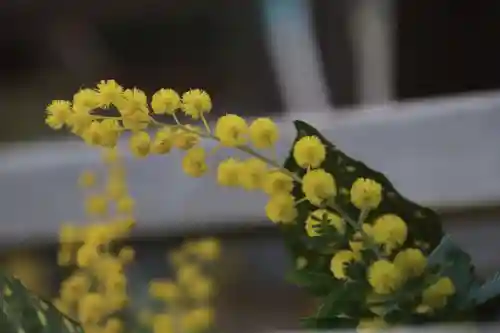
(347, 299)
(23, 312)
(486, 292)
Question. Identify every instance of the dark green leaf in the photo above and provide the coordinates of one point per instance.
(317, 283)
(486, 292)
(24, 312)
(423, 223)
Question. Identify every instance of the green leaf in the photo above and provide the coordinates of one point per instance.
(486, 292)
(453, 262)
(24, 312)
(317, 283)
(423, 223)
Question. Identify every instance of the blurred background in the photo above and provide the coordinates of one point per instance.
(410, 87)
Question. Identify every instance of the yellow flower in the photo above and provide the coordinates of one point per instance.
(318, 185)
(193, 163)
(125, 204)
(197, 320)
(79, 121)
(113, 325)
(186, 139)
(136, 121)
(85, 100)
(87, 179)
(163, 141)
(91, 308)
(309, 152)
(135, 100)
(187, 273)
(126, 254)
(110, 132)
(116, 187)
(264, 133)
(74, 288)
(314, 220)
(96, 205)
(58, 113)
(366, 194)
(228, 172)
(200, 289)
(390, 230)
(372, 325)
(281, 208)
(231, 130)
(195, 103)
(109, 92)
(163, 323)
(140, 144)
(207, 249)
(411, 262)
(164, 289)
(165, 101)
(278, 182)
(339, 263)
(384, 277)
(86, 255)
(436, 296)
(357, 244)
(252, 174)
(68, 234)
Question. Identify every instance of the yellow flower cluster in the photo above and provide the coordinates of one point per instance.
(97, 289)
(187, 300)
(385, 236)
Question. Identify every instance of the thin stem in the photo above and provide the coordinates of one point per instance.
(205, 123)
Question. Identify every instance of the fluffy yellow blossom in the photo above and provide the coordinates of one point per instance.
(110, 92)
(366, 194)
(231, 130)
(164, 289)
(58, 113)
(96, 205)
(163, 141)
(125, 204)
(228, 172)
(436, 295)
(340, 261)
(390, 231)
(140, 144)
(197, 320)
(79, 121)
(186, 139)
(277, 182)
(357, 244)
(188, 273)
(116, 187)
(194, 163)
(207, 249)
(74, 288)
(87, 179)
(91, 308)
(318, 186)
(165, 101)
(86, 255)
(309, 152)
(281, 208)
(264, 133)
(195, 103)
(411, 262)
(86, 100)
(136, 121)
(372, 325)
(126, 254)
(163, 323)
(253, 173)
(68, 234)
(384, 277)
(315, 219)
(135, 102)
(113, 325)
(200, 289)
